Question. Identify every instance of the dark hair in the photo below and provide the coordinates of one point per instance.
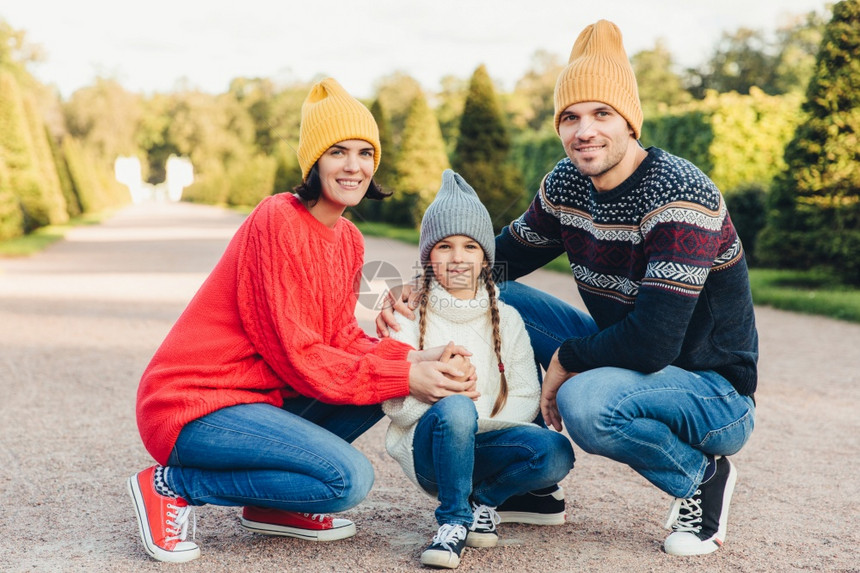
(311, 188)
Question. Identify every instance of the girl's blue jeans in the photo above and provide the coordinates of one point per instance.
(661, 424)
(295, 458)
(455, 463)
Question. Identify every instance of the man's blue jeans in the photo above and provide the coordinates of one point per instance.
(455, 463)
(295, 458)
(660, 424)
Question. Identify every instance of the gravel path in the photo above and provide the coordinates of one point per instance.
(79, 322)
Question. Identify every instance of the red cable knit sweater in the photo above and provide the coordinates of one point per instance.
(273, 321)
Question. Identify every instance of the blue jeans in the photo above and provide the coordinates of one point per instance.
(456, 463)
(661, 424)
(295, 458)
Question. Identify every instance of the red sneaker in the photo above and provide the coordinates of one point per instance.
(310, 526)
(163, 521)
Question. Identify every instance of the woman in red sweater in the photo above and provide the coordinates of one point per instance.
(256, 393)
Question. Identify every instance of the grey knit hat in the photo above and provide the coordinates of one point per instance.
(456, 210)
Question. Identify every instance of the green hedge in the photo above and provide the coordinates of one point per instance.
(251, 181)
(737, 140)
(535, 154)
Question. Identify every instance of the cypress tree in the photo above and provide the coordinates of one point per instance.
(18, 154)
(814, 206)
(482, 155)
(46, 168)
(419, 166)
(11, 218)
(83, 175)
(70, 194)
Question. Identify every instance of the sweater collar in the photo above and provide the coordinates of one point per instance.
(329, 234)
(458, 310)
(631, 182)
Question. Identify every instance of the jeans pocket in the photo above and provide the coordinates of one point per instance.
(729, 440)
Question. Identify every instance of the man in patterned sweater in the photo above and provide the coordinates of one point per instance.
(661, 375)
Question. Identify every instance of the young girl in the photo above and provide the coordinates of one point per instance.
(471, 454)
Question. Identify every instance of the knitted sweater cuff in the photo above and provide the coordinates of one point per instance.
(390, 379)
(391, 349)
(569, 359)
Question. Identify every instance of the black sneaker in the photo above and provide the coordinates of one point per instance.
(482, 532)
(446, 547)
(540, 507)
(699, 524)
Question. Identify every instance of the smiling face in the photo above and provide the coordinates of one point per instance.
(457, 262)
(345, 171)
(599, 143)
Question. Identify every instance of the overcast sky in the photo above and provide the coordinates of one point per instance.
(151, 46)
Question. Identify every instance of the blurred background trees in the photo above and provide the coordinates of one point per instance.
(771, 116)
(483, 152)
(813, 216)
(418, 165)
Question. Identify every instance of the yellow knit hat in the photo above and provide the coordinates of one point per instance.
(598, 70)
(330, 115)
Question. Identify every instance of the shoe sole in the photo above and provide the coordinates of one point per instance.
(481, 539)
(444, 559)
(333, 534)
(532, 518)
(149, 545)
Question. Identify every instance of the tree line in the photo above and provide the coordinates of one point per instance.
(771, 118)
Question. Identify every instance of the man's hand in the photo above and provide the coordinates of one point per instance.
(396, 300)
(555, 376)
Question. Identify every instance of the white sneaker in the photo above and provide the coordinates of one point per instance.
(446, 547)
(699, 524)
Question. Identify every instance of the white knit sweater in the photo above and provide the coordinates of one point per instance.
(468, 323)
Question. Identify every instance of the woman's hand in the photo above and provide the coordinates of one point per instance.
(400, 301)
(555, 376)
(429, 382)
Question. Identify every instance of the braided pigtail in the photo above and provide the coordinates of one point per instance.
(423, 299)
(487, 275)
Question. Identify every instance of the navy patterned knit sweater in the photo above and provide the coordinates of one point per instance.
(658, 264)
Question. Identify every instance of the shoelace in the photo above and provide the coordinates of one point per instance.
(449, 535)
(484, 517)
(315, 516)
(177, 522)
(686, 515)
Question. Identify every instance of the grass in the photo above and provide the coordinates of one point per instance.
(32, 243)
(808, 292)
(404, 234)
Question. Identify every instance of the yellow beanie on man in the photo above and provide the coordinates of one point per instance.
(330, 115)
(598, 70)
